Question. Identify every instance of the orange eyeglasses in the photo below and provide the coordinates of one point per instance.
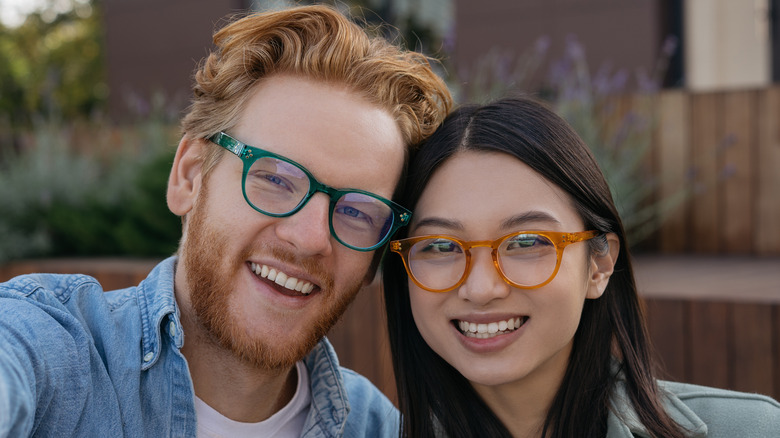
(524, 259)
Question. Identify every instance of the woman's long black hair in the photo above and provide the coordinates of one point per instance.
(434, 396)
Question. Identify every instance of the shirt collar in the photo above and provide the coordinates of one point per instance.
(329, 401)
(156, 301)
(623, 420)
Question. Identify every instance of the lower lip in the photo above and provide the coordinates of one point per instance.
(489, 345)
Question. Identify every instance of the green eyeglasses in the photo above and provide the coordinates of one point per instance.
(524, 259)
(277, 186)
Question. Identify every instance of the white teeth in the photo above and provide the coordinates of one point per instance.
(282, 279)
(489, 330)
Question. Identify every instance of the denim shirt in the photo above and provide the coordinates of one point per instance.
(78, 361)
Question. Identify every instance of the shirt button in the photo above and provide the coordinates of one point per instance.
(172, 329)
(148, 356)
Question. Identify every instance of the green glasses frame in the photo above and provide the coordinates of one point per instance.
(249, 154)
(558, 239)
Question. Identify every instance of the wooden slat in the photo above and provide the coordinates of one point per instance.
(706, 136)
(767, 194)
(709, 344)
(666, 323)
(672, 141)
(386, 379)
(112, 273)
(701, 334)
(776, 350)
(752, 355)
(737, 173)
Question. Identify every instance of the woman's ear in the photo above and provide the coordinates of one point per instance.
(186, 178)
(602, 266)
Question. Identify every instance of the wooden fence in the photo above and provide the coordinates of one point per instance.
(703, 331)
(724, 147)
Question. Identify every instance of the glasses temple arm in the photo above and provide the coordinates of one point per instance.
(229, 143)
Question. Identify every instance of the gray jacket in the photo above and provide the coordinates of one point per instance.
(705, 412)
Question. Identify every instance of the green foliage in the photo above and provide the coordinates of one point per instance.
(69, 187)
(53, 64)
(100, 191)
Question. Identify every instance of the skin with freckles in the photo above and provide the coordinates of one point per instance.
(482, 196)
(234, 319)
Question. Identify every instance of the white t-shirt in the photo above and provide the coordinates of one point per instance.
(287, 422)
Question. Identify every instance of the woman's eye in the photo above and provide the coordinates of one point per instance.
(442, 246)
(526, 241)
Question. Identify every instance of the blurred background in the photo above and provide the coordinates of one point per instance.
(678, 99)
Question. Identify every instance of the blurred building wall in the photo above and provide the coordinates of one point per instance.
(723, 44)
(152, 48)
(728, 44)
(624, 34)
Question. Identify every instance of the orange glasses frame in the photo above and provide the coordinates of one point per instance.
(558, 239)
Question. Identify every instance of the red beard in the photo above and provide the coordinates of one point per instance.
(210, 275)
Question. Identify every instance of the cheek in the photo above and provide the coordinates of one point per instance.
(426, 311)
(352, 266)
(574, 273)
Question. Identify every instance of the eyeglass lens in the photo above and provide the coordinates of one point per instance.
(526, 259)
(278, 187)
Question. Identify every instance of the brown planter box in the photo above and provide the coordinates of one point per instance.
(713, 320)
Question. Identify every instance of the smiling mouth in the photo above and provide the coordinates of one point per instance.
(282, 279)
(491, 329)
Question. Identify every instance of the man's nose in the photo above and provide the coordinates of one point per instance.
(308, 230)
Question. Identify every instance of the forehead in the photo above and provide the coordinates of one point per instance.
(343, 139)
(479, 195)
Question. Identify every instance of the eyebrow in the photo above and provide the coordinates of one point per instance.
(529, 216)
(439, 222)
(509, 223)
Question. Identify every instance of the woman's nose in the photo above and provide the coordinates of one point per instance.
(484, 283)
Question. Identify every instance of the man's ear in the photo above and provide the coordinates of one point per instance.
(186, 178)
(602, 266)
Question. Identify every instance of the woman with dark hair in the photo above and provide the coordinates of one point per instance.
(497, 331)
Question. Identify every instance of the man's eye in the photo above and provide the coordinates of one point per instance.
(271, 181)
(351, 212)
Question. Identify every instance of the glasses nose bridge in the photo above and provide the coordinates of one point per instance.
(468, 246)
(479, 243)
(493, 245)
(476, 244)
(316, 186)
